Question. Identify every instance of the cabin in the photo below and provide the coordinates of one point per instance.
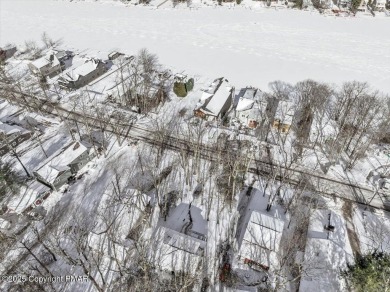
(217, 100)
(60, 167)
(82, 75)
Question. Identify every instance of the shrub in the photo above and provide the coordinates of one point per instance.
(190, 84)
(179, 88)
(370, 273)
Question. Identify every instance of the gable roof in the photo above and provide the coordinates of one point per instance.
(209, 92)
(50, 58)
(181, 241)
(218, 100)
(176, 251)
(244, 104)
(10, 129)
(262, 239)
(326, 252)
(58, 164)
(264, 230)
(88, 67)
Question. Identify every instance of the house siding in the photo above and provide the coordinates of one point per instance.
(84, 80)
(80, 162)
(62, 179)
(226, 106)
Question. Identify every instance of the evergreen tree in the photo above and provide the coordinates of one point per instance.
(370, 273)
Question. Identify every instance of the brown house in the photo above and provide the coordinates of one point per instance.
(7, 52)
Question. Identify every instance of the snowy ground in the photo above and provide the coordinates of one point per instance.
(248, 46)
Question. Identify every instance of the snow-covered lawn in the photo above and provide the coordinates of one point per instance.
(247, 46)
(373, 230)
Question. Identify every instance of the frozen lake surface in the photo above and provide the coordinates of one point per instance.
(249, 47)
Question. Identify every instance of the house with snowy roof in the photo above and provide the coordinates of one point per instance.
(12, 136)
(7, 52)
(57, 169)
(251, 107)
(176, 251)
(260, 242)
(49, 65)
(284, 115)
(327, 251)
(216, 100)
(82, 75)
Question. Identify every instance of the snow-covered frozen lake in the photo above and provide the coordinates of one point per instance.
(249, 47)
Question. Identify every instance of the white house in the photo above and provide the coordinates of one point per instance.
(251, 108)
(327, 251)
(49, 65)
(261, 240)
(57, 169)
(217, 100)
(176, 251)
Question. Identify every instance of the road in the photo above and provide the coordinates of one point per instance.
(349, 190)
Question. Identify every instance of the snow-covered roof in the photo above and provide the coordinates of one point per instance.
(325, 253)
(177, 251)
(7, 130)
(249, 97)
(49, 58)
(215, 85)
(244, 104)
(261, 239)
(321, 218)
(249, 93)
(285, 111)
(264, 230)
(83, 70)
(181, 241)
(60, 163)
(113, 53)
(218, 100)
(206, 95)
(209, 92)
